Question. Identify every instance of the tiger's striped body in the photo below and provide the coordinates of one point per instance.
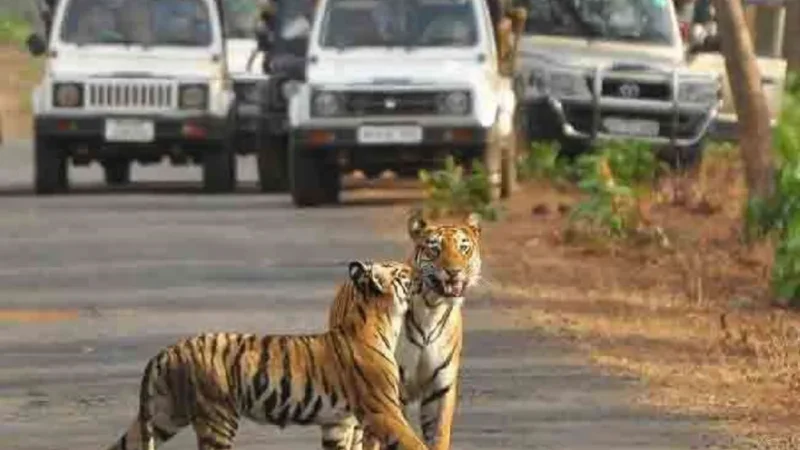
(447, 258)
(349, 373)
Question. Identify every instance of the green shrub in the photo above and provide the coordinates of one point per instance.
(541, 162)
(615, 178)
(450, 191)
(779, 217)
(13, 30)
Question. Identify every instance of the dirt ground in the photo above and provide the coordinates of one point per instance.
(692, 320)
(18, 75)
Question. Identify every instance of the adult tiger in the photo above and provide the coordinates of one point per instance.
(448, 260)
(209, 381)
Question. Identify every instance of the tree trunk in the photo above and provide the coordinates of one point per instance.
(791, 43)
(755, 136)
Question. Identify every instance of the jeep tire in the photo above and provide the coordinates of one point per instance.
(219, 164)
(50, 167)
(273, 164)
(117, 172)
(313, 179)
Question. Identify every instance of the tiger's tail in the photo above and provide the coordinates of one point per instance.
(140, 434)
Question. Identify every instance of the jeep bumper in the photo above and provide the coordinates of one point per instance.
(656, 122)
(85, 136)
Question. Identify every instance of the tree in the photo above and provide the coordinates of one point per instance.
(791, 43)
(755, 135)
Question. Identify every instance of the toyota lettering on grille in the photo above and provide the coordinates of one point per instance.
(629, 90)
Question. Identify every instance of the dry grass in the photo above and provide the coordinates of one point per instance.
(693, 320)
(20, 73)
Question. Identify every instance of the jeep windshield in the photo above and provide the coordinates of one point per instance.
(241, 18)
(183, 23)
(408, 23)
(636, 21)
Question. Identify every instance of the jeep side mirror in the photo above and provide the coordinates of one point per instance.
(36, 45)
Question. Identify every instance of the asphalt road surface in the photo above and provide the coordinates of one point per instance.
(134, 270)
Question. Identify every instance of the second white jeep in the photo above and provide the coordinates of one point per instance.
(399, 85)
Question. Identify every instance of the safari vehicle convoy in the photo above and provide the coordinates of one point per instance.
(133, 80)
(398, 85)
(614, 69)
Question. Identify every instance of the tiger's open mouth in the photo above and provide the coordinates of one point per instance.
(450, 288)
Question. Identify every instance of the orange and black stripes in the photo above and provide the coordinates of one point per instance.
(212, 380)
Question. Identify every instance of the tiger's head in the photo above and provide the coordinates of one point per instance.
(447, 256)
(384, 285)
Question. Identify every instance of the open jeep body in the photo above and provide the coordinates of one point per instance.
(283, 40)
(613, 69)
(377, 99)
(245, 67)
(133, 80)
(703, 44)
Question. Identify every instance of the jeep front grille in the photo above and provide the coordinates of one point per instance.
(412, 103)
(127, 95)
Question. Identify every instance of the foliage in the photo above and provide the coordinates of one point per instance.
(541, 162)
(13, 29)
(616, 178)
(450, 191)
(779, 217)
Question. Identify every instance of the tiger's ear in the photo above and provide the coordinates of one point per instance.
(474, 222)
(416, 225)
(363, 277)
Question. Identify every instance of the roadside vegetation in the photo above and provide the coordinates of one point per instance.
(19, 74)
(680, 279)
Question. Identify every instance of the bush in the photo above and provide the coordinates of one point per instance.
(779, 217)
(449, 191)
(541, 162)
(615, 178)
(13, 30)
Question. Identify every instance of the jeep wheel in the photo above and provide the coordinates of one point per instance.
(272, 165)
(117, 172)
(313, 180)
(219, 168)
(50, 167)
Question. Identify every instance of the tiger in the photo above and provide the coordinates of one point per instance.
(211, 380)
(448, 260)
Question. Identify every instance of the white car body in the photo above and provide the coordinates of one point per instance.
(396, 70)
(114, 68)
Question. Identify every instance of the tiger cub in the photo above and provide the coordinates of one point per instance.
(211, 380)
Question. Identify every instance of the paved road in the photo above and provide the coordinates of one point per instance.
(137, 271)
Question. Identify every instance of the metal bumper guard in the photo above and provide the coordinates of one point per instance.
(695, 116)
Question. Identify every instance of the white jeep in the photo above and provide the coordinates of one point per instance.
(397, 89)
(133, 80)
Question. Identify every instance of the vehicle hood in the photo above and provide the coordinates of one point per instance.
(239, 53)
(536, 51)
(133, 61)
(398, 67)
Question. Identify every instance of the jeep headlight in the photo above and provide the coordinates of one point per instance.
(193, 96)
(246, 92)
(454, 103)
(326, 103)
(698, 92)
(568, 84)
(289, 88)
(67, 95)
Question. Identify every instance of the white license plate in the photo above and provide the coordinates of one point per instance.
(396, 134)
(631, 127)
(129, 130)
